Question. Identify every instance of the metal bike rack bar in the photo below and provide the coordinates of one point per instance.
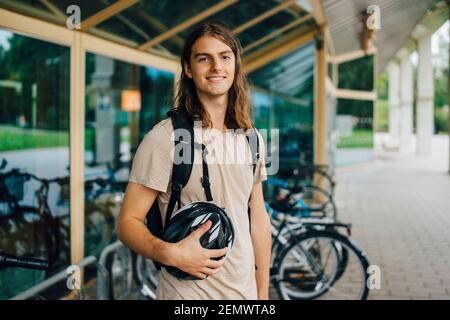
(102, 285)
(54, 279)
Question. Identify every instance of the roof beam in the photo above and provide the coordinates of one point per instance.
(353, 55)
(263, 16)
(277, 32)
(320, 18)
(54, 9)
(159, 26)
(277, 49)
(186, 24)
(106, 13)
(317, 12)
(355, 94)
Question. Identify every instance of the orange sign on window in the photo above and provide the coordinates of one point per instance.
(131, 100)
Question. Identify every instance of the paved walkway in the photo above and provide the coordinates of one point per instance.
(399, 205)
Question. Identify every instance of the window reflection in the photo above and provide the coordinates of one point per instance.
(123, 102)
(34, 156)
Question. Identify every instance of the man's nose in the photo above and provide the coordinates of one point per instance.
(216, 65)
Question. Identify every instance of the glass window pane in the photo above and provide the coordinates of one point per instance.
(357, 74)
(123, 102)
(354, 124)
(34, 139)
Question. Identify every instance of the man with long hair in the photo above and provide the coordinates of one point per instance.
(213, 89)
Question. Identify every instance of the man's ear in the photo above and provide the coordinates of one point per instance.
(187, 70)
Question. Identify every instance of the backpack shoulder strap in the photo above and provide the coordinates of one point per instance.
(253, 141)
(181, 171)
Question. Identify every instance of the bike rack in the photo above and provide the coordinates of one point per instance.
(62, 275)
(102, 285)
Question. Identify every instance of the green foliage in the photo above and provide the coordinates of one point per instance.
(440, 92)
(382, 86)
(441, 119)
(357, 74)
(381, 115)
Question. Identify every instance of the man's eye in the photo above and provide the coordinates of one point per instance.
(202, 59)
(226, 57)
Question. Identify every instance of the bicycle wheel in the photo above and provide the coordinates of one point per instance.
(312, 267)
(341, 251)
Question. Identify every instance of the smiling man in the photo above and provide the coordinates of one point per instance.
(212, 89)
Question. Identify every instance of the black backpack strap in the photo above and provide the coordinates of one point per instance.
(205, 179)
(255, 158)
(254, 148)
(180, 171)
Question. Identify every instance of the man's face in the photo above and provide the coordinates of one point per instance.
(212, 66)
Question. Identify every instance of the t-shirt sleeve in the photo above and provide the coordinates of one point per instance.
(260, 170)
(152, 163)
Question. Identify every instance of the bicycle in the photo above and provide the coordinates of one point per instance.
(102, 208)
(32, 263)
(297, 270)
(301, 200)
(49, 233)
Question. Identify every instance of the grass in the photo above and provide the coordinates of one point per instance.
(361, 138)
(381, 115)
(14, 138)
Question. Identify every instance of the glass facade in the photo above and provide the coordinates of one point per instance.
(285, 102)
(34, 141)
(123, 102)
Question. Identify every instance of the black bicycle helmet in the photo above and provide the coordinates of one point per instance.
(192, 216)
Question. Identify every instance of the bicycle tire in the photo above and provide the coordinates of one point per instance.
(333, 237)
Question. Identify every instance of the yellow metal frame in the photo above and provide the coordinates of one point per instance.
(275, 33)
(263, 16)
(277, 49)
(186, 24)
(107, 13)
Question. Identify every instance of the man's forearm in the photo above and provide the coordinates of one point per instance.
(135, 235)
(262, 241)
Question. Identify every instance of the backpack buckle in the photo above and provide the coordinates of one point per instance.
(177, 187)
(205, 182)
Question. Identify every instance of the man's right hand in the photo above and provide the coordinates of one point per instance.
(189, 256)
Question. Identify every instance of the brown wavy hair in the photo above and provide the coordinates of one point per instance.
(238, 115)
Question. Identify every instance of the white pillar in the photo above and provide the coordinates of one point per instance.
(394, 102)
(425, 97)
(406, 99)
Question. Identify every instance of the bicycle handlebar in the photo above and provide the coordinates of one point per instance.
(11, 261)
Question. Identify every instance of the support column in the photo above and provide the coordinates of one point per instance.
(406, 99)
(77, 125)
(320, 119)
(394, 102)
(448, 87)
(425, 97)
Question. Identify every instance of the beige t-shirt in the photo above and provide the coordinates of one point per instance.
(231, 178)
